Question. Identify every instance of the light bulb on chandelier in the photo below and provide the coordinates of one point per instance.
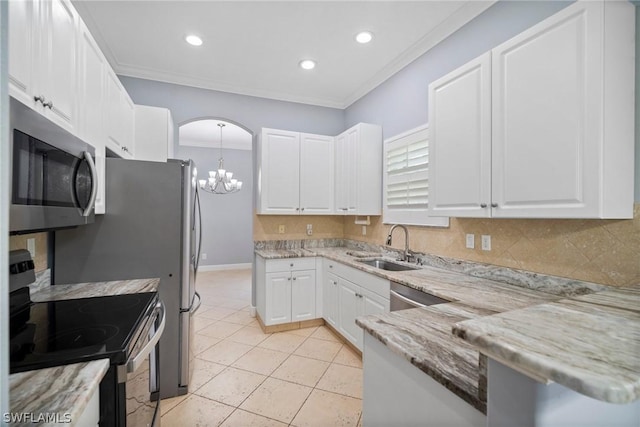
(221, 181)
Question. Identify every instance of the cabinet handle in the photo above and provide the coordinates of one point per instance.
(294, 278)
(483, 205)
(302, 209)
(289, 278)
(297, 209)
(48, 104)
(39, 99)
(494, 205)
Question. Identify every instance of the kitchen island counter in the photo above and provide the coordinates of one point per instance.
(60, 394)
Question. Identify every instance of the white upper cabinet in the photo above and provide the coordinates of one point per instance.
(154, 133)
(460, 151)
(279, 172)
(43, 41)
(316, 174)
(119, 117)
(91, 99)
(561, 122)
(296, 173)
(358, 162)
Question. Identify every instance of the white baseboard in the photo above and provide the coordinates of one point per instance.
(220, 267)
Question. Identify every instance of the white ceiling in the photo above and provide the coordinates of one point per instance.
(206, 133)
(254, 47)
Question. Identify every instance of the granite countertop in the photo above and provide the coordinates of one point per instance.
(62, 390)
(589, 344)
(497, 319)
(94, 289)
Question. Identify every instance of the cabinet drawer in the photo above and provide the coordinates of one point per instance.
(290, 264)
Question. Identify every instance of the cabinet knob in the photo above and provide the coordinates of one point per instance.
(494, 205)
(302, 209)
(291, 265)
(330, 266)
(294, 278)
(289, 278)
(483, 205)
(297, 209)
(48, 104)
(39, 99)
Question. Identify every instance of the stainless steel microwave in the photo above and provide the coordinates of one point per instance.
(53, 176)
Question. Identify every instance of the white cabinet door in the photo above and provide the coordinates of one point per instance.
(547, 132)
(316, 174)
(57, 64)
(119, 117)
(350, 308)
(359, 170)
(330, 306)
(278, 298)
(43, 58)
(22, 43)
(460, 141)
(374, 304)
(154, 133)
(303, 295)
(279, 173)
(92, 66)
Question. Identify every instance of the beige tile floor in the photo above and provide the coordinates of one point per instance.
(243, 377)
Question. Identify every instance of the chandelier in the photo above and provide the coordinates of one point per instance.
(221, 181)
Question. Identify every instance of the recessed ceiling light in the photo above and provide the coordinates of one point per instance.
(193, 40)
(364, 37)
(307, 64)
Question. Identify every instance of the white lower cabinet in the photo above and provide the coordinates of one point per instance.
(286, 290)
(330, 299)
(350, 293)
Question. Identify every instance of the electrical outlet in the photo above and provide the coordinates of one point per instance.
(31, 247)
(281, 229)
(486, 242)
(309, 229)
(471, 241)
(364, 230)
(203, 256)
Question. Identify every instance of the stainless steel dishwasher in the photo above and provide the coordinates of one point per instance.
(402, 297)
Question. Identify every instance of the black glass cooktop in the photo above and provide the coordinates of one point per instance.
(61, 332)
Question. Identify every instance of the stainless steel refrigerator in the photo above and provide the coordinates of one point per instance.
(151, 228)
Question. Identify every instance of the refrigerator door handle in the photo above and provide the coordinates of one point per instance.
(197, 307)
(197, 261)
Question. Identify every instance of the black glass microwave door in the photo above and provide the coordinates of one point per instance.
(47, 176)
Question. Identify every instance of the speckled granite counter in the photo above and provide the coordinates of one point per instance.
(95, 289)
(424, 336)
(58, 390)
(590, 344)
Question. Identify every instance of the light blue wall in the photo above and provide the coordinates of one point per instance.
(228, 219)
(400, 103)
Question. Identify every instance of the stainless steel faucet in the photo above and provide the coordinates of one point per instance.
(407, 255)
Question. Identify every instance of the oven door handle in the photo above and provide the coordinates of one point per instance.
(395, 294)
(134, 363)
(94, 183)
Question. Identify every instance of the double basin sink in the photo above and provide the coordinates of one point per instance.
(384, 264)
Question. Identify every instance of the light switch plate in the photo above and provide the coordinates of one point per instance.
(486, 242)
(471, 241)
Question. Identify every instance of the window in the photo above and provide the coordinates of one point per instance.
(406, 180)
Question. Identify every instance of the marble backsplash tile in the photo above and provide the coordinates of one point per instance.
(590, 250)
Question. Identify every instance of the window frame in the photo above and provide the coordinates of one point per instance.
(407, 216)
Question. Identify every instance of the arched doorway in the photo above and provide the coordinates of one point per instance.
(227, 219)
